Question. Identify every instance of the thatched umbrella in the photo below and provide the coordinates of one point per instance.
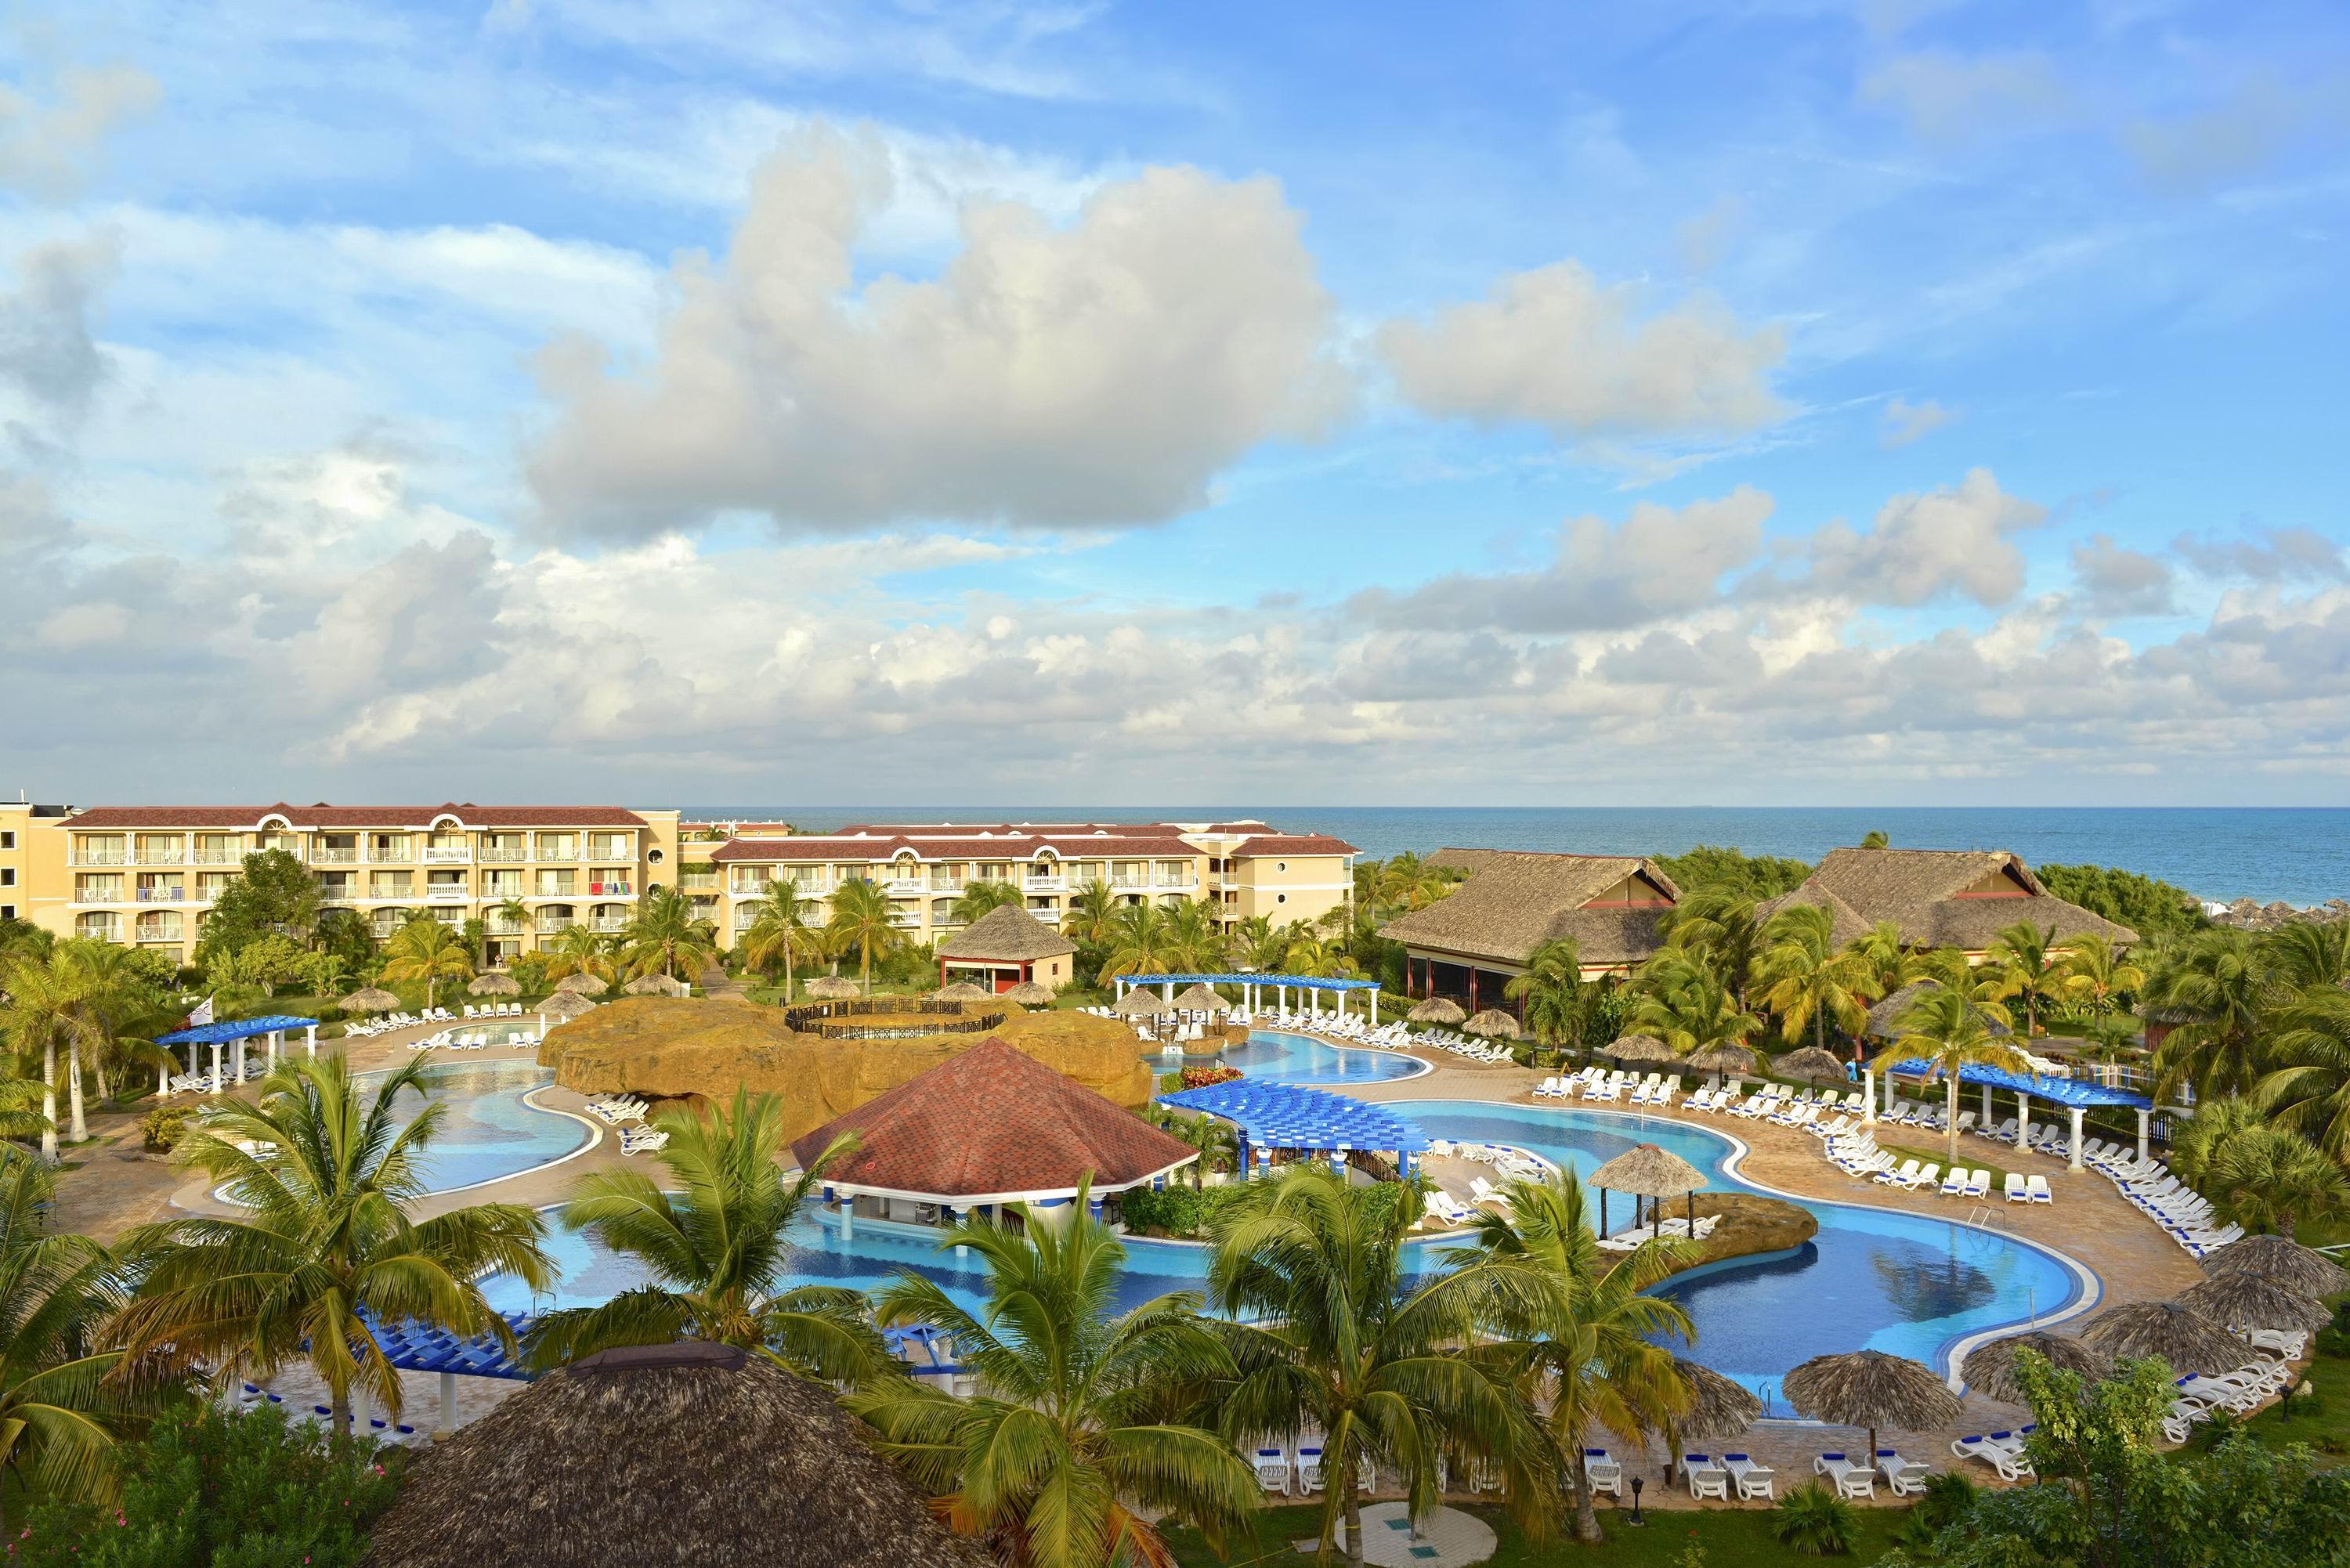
(495, 984)
(1142, 1003)
(829, 988)
(656, 986)
(1437, 1009)
(1493, 1025)
(2190, 1340)
(1028, 993)
(1989, 1369)
(1198, 998)
(805, 1489)
(564, 1006)
(1646, 1171)
(1721, 1059)
(1639, 1048)
(1718, 1409)
(1811, 1061)
(1869, 1388)
(2244, 1302)
(2284, 1260)
(583, 985)
(963, 991)
(370, 999)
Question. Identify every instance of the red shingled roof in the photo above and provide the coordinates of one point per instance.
(1265, 844)
(993, 1122)
(401, 818)
(885, 847)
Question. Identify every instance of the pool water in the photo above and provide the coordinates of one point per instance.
(1273, 1056)
(487, 1132)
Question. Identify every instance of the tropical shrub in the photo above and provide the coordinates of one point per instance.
(159, 1131)
(1192, 1212)
(1200, 1077)
(2150, 908)
(1814, 1522)
(1709, 867)
(214, 1488)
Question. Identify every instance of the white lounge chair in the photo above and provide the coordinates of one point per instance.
(1606, 1475)
(2005, 1457)
(1705, 1477)
(1903, 1476)
(2035, 1188)
(1848, 1479)
(1752, 1479)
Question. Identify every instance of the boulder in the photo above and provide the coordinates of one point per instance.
(672, 1047)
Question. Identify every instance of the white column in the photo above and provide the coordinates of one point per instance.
(1374, 1007)
(2075, 1160)
(1868, 1095)
(1988, 1120)
(2022, 1120)
(359, 1411)
(216, 1067)
(1889, 1093)
(1167, 991)
(310, 1041)
(448, 1425)
(847, 1216)
(2143, 1114)
(276, 1047)
(163, 1082)
(236, 1058)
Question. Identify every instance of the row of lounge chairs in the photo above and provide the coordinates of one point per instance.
(1655, 1090)
(2002, 1451)
(470, 1040)
(1629, 1240)
(1709, 1478)
(494, 1010)
(1855, 1152)
(391, 1023)
(2185, 1214)
(614, 1109)
(1287, 1469)
(642, 1139)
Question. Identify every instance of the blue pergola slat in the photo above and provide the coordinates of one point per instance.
(1284, 1116)
(242, 1029)
(1307, 981)
(2061, 1091)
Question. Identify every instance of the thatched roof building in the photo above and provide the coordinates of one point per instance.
(2244, 1301)
(1638, 1048)
(1650, 1172)
(656, 986)
(584, 984)
(2281, 1258)
(370, 999)
(683, 1456)
(1028, 993)
(1990, 1367)
(1007, 947)
(1869, 1388)
(2190, 1340)
(1469, 944)
(1937, 898)
(1884, 1019)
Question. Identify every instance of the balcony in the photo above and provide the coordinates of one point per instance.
(1045, 884)
(97, 895)
(100, 858)
(438, 894)
(948, 885)
(217, 857)
(904, 887)
(392, 857)
(151, 934)
(503, 926)
(504, 857)
(611, 890)
(559, 852)
(905, 919)
(161, 857)
(334, 857)
(698, 882)
(167, 895)
(445, 856)
(607, 924)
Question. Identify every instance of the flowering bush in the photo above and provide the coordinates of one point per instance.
(1200, 1077)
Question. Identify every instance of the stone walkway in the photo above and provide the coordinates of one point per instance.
(1451, 1539)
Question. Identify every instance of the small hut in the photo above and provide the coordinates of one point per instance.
(1718, 1409)
(1142, 1003)
(1005, 946)
(370, 999)
(2284, 1260)
(656, 986)
(2190, 1340)
(495, 984)
(1989, 1369)
(1196, 998)
(1646, 1171)
(2244, 1302)
(804, 1486)
(1869, 1388)
(1721, 1059)
(829, 988)
(1437, 1009)
(564, 1006)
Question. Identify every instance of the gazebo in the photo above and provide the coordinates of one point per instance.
(985, 1128)
(2075, 1094)
(234, 1035)
(1006, 946)
(1270, 1115)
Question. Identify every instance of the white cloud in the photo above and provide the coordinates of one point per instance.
(1948, 97)
(1097, 374)
(48, 350)
(1904, 423)
(2275, 555)
(50, 149)
(2115, 580)
(1920, 546)
(1557, 349)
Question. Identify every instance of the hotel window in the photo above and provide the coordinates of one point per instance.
(160, 887)
(389, 885)
(219, 849)
(8, 839)
(501, 883)
(286, 841)
(97, 889)
(105, 927)
(557, 884)
(208, 884)
(448, 848)
(559, 847)
(334, 887)
(389, 848)
(610, 847)
(7, 911)
(162, 848)
(505, 846)
(334, 848)
(98, 849)
(8, 876)
(612, 881)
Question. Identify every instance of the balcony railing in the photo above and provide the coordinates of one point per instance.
(384, 893)
(217, 857)
(559, 852)
(440, 895)
(548, 928)
(97, 895)
(698, 881)
(325, 856)
(392, 857)
(905, 922)
(900, 886)
(162, 858)
(446, 856)
(611, 890)
(100, 858)
(1046, 884)
(504, 857)
(608, 923)
(564, 891)
(173, 895)
(147, 934)
(503, 926)
(949, 883)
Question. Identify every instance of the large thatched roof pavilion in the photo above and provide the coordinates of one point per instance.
(1007, 947)
(676, 1456)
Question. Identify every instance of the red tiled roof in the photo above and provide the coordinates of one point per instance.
(886, 847)
(1002, 829)
(992, 1121)
(405, 817)
(1265, 844)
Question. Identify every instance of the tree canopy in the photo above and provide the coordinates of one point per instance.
(1710, 867)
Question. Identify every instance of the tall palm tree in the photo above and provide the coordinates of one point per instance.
(1258, 945)
(1806, 979)
(120, 1005)
(1078, 1408)
(1885, 962)
(63, 1406)
(1582, 1340)
(578, 950)
(428, 951)
(1193, 940)
(2307, 1085)
(1139, 943)
(712, 1233)
(2215, 1124)
(666, 936)
(327, 1248)
(2212, 990)
(1214, 1137)
(2032, 966)
(2302, 955)
(1951, 1026)
(780, 932)
(982, 896)
(1325, 961)
(862, 923)
(1093, 907)
(1334, 1339)
(1549, 991)
(42, 1009)
(2095, 972)
(2270, 1178)
(1684, 1002)
(1719, 926)
(514, 910)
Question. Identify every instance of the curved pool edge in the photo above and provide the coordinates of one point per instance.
(2088, 1286)
(594, 1141)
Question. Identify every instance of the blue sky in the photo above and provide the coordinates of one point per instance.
(1892, 400)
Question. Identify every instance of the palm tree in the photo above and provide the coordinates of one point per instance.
(578, 950)
(1214, 1138)
(1549, 991)
(1092, 908)
(42, 1010)
(1193, 940)
(983, 895)
(1885, 962)
(2029, 966)
(63, 1407)
(1582, 1341)
(2215, 1124)
(780, 932)
(1258, 945)
(1138, 942)
(513, 911)
(2269, 1179)
(1334, 1339)
(713, 1236)
(666, 936)
(1684, 1002)
(2307, 1085)
(2095, 972)
(1805, 980)
(2210, 989)
(1078, 1410)
(863, 922)
(327, 1249)
(2302, 955)
(428, 951)
(1314, 957)
(120, 1005)
(1719, 926)
(1951, 1025)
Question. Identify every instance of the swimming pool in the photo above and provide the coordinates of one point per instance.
(487, 1132)
(1275, 1057)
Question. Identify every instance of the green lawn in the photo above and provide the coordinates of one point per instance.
(1733, 1538)
(1970, 1156)
(2322, 1422)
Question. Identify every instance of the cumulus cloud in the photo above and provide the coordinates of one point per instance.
(1955, 539)
(1947, 95)
(2235, 136)
(1557, 348)
(2275, 554)
(1100, 373)
(50, 149)
(1904, 423)
(47, 351)
(2116, 581)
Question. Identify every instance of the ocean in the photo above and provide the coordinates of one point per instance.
(2298, 854)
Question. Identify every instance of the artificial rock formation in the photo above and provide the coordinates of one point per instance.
(668, 1048)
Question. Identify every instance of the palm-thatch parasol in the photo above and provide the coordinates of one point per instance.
(1493, 1025)
(564, 1006)
(2244, 1302)
(963, 991)
(1142, 1003)
(2190, 1340)
(1646, 1171)
(583, 984)
(495, 984)
(2284, 1260)
(1869, 1388)
(1989, 1369)
(1028, 993)
(1811, 1061)
(1437, 1009)
(656, 986)
(830, 988)
(1718, 1409)
(508, 1489)
(1198, 998)
(370, 999)
(1639, 1048)
(1723, 1058)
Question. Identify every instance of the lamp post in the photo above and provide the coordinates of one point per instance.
(1636, 1518)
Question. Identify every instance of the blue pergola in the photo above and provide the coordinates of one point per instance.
(1254, 986)
(234, 1034)
(2075, 1094)
(1286, 1115)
